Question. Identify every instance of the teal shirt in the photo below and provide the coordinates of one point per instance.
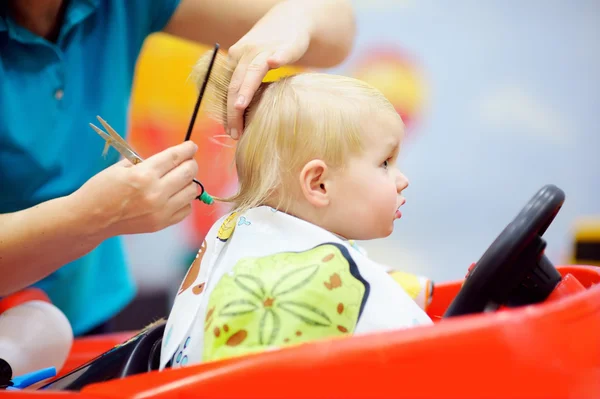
(49, 93)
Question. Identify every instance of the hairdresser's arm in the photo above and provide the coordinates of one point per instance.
(330, 26)
(122, 199)
(37, 241)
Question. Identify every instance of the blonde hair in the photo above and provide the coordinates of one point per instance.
(288, 123)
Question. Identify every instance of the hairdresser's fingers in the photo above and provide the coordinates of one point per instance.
(288, 55)
(123, 163)
(180, 214)
(185, 196)
(169, 159)
(255, 71)
(234, 119)
(179, 177)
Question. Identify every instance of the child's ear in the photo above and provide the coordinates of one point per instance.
(313, 183)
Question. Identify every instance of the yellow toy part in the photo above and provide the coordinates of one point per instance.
(586, 245)
(419, 288)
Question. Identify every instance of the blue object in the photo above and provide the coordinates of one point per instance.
(26, 380)
(49, 93)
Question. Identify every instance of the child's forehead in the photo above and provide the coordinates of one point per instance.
(384, 129)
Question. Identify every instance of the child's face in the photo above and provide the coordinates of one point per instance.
(367, 193)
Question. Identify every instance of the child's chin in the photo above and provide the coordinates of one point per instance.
(380, 234)
(389, 231)
(372, 232)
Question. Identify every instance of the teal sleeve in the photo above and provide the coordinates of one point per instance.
(161, 13)
(148, 16)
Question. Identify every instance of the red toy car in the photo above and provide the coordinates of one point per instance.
(516, 327)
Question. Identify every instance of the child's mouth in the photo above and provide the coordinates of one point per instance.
(398, 214)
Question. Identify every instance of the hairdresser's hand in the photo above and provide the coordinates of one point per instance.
(142, 198)
(281, 37)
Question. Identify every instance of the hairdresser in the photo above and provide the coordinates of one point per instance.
(63, 207)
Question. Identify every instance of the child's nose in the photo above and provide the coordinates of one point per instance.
(401, 182)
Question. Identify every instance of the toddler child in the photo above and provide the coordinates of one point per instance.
(317, 169)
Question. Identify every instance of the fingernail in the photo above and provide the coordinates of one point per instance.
(195, 146)
(234, 134)
(240, 100)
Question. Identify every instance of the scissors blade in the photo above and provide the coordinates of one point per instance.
(120, 146)
(102, 134)
(114, 134)
(109, 140)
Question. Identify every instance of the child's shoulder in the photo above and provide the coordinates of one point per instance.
(261, 219)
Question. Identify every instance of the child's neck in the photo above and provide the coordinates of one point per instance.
(317, 216)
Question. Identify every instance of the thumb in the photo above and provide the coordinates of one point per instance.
(123, 163)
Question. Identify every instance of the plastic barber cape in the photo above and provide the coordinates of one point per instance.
(264, 279)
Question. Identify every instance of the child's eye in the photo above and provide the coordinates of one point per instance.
(385, 163)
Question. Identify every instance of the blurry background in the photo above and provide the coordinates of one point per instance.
(499, 97)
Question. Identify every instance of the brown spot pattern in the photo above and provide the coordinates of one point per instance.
(197, 290)
(209, 313)
(335, 281)
(225, 328)
(194, 270)
(298, 333)
(268, 302)
(342, 329)
(328, 257)
(340, 308)
(217, 332)
(237, 338)
(208, 320)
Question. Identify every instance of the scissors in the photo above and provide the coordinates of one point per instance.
(112, 138)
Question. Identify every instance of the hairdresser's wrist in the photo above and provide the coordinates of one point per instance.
(331, 39)
(89, 218)
(304, 12)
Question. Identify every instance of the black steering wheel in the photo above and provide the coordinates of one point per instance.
(514, 270)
